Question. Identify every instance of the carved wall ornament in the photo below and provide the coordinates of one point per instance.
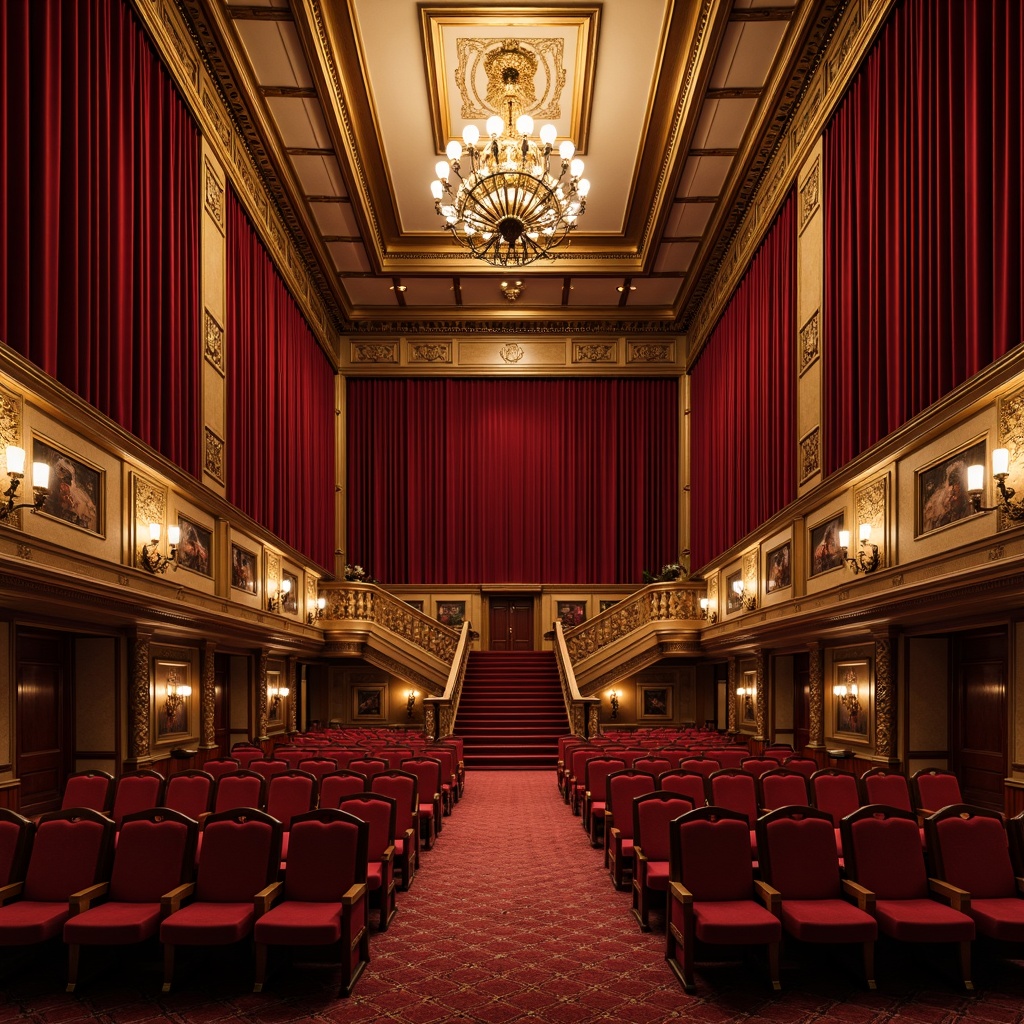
(213, 195)
(183, 52)
(512, 352)
(537, 62)
(761, 665)
(1011, 437)
(437, 352)
(10, 418)
(845, 47)
(870, 505)
(810, 342)
(213, 342)
(375, 352)
(24, 551)
(897, 580)
(810, 454)
(995, 553)
(217, 118)
(208, 697)
(150, 507)
(139, 696)
(650, 352)
(734, 675)
(213, 454)
(810, 194)
(273, 571)
(593, 352)
(885, 697)
(817, 695)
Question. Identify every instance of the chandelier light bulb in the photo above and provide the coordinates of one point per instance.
(583, 187)
(548, 134)
(471, 135)
(441, 169)
(436, 189)
(566, 150)
(495, 126)
(524, 125)
(576, 167)
(454, 150)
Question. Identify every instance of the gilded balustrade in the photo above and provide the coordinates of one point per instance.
(582, 711)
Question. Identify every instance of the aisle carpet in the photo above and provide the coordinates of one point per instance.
(510, 919)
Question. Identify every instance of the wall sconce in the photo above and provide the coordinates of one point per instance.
(846, 693)
(16, 472)
(410, 702)
(318, 612)
(747, 601)
(613, 699)
(151, 557)
(1000, 470)
(275, 694)
(749, 695)
(176, 694)
(276, 601)
(707, 612)
(864, 562)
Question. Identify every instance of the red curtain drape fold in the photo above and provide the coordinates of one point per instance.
(923, 217)
(512, 481)
(99, 217)
(280, 402)
(743, 402)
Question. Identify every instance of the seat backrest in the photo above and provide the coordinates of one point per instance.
(652, 813)
(806, 766)
(969, 847)
(137, 791)
(778, 751)
(345, 755)
(90, 788)
(701, 765)
(710, 854)
(318, 767)
(652, 765)
(728, 757)
(246, 753)
(797, 853)
(238, 789)
(155, 852)
(71, 851)
(881, 786)
(428, 771)
(685, 783)
(736, 790)
(835, 792)
(190, 792)
(293, 755)
(579, 758)
(757, 766)
(16, 835)
(447, 759)
(935, 788)
(326, 855)
(381, 814)
(623, 787)
(393, 755)
(267, 767)
(240, 855)
(596, 775)
(882, 851)
(404, 788)
(368, 766)
(219, 766)
(781, 787)
(290, 793)
(340, 784)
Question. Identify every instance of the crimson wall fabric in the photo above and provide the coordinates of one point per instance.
(743, 402)
(99, 217)
(922, 194)
(280, 402)
(512, 481)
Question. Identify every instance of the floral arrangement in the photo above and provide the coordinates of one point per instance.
(668, 573)
(357, 574)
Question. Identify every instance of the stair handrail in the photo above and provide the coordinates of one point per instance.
(439, 712)
(582, 711)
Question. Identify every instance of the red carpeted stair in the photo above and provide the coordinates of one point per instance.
(511, 712)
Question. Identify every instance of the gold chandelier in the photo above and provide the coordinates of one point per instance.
(510, 208)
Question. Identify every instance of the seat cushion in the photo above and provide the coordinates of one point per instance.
(923, 920)
(208, 924)
(27, 921)
(374, 875)
(1001, 919)
(113, 924)
(827, 921)
(735, 922)
(657, 875)
(298, 923)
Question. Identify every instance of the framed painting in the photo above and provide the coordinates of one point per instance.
(451, 613)
(746, 701)
(571, 613)
(290, 603)
(172, 698)
(942, 497)
(275, 702)
(76, 488)
(852, 699)
(603, 606)
(778, 574)
(370, 702)
(243, 569)
(733, 601)
(194, 547)
(654, 703)
(418, 605)
(826, 554)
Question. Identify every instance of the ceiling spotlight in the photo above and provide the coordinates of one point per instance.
(625, 288)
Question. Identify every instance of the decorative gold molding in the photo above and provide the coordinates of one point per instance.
(810, 454)
(594, 352)
(375, 352)
(149, 501)
(511, 352)
(213, 195)
(1011, 436)
(213, 454)
(871, 506)
(810, 194)
(650, 352)
(810, 342)
(213, 342)
(427, 352)
(11, 420)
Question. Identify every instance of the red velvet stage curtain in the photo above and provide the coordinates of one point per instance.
(512, 480)
(99, 217)
(743, 402)
(280, 404)
(923, 161)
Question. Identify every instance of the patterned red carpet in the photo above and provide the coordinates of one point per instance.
(511, 918)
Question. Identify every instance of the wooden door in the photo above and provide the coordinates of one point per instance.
(44, 741)
(978, 720)
(511, 623)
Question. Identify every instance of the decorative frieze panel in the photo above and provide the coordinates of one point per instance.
(182, 51)
(650, 352)
(594, 352)
(213, 194)
(213, 342)
(810, 343)
(870, 506)
(150, 506)
(213, 454)
(430, 352)
(11, 418)
(375, 352)
(1011, 437)
(810, 194)
(810, 455)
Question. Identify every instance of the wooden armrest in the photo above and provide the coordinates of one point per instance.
(769, 896)
(408, 834)
(958, 899)
(680, 893)
(865, 897)
(639, 857)
(172, 901)
(354, 895)
(203, 815)
(922, 813)
(265, 898)
(1020, 885)
(81, 901)
(613, 833)
(388, 855)
(10, 892)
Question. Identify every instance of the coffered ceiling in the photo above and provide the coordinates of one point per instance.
(676, 108)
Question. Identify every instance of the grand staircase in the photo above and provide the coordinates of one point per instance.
(511, 712)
